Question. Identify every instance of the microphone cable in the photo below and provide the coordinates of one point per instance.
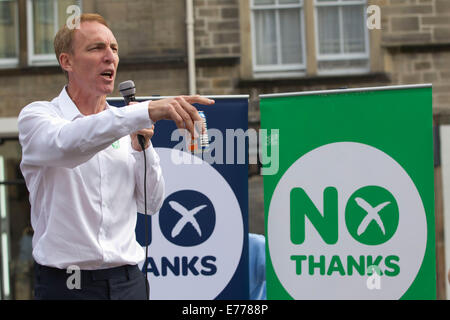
(142, 144)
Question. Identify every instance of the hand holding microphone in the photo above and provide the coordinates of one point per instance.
(145, 134)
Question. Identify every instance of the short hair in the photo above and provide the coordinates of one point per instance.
(64, 38)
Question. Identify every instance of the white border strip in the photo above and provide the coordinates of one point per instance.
(5, 254)
(445, 165)
(308, 93)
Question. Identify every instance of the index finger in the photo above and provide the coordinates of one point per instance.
(199, 100)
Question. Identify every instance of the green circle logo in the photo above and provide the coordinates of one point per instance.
(372, 215)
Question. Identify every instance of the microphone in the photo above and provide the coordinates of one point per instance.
(128, 91)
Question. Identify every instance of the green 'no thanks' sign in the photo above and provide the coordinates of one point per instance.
(350, 212)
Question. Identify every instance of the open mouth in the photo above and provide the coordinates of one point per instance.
(107, 74)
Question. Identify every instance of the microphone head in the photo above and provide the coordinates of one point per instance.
(127, 88)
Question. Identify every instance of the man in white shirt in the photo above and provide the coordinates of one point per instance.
(84, 169)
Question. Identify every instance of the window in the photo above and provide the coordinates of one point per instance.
(9, 32)
(278, 39)
(45, 17)
(314, 37)
(342, 36)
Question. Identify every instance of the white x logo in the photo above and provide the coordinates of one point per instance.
(187, 216)
(372, 214)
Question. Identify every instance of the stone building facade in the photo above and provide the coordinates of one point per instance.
(411, 47)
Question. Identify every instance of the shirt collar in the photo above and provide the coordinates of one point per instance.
(68, 107)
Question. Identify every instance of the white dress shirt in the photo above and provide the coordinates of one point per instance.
(86, 182)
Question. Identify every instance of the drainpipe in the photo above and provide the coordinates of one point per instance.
(191, 46)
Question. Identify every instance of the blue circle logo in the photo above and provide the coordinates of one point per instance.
(187, 218)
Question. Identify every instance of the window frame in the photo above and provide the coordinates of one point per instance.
(279, 69)
(376, 60)
(344, 56)
(13, 62)
(42, 59)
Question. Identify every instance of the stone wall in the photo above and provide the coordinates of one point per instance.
(217, 28)
(145, 29)
(416, 35)
(412, 22)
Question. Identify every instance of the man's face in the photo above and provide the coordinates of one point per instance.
(94, 59)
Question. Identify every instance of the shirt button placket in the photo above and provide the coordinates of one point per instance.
(104, 209)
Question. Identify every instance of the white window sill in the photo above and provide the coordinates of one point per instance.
(279, 74)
